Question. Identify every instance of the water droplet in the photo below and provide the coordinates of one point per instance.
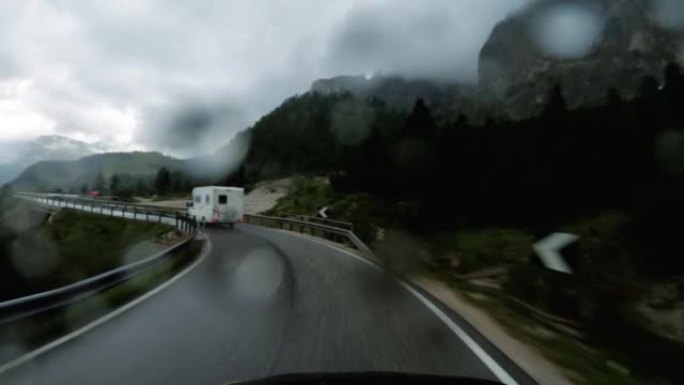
(567, 31)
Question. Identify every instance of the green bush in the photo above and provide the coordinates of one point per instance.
(603, 248)
(308, 195)
(73, 246)
(479, 249)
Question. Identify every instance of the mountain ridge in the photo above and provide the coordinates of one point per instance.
(43, 148)
(71, 175)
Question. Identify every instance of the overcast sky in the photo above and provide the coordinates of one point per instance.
(183, 76)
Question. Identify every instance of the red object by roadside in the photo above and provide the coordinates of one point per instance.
(94, 193)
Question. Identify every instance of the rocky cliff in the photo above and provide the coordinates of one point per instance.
(586, 46)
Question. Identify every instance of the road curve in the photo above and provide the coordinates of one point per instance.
(262, 302)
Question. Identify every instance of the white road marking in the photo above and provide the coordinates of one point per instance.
(486, 359)
(107, 317)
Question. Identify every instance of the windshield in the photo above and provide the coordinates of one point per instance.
(216, 191)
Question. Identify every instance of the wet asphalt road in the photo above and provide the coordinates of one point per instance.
(261, 302)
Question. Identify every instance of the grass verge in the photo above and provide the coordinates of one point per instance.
(581, 362)
(72, 246)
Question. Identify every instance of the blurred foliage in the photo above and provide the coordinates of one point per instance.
(603, 279)
(473, 250)
(604, 245)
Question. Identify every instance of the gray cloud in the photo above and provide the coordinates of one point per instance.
(190, 127)
(121, 71)
(436, 39)
(670, 14)
(567, 31)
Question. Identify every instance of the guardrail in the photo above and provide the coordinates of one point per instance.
(324, 221)
(135, 211)
(83, 199)
(23, 307)
(338, 231)
(324, 231)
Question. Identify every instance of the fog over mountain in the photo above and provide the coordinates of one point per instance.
(183, 78)
(17, 155)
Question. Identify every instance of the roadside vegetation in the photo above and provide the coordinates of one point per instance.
(307, 195)
(41, 253)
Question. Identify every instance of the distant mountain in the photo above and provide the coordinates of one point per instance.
(19, 155)
(396, 91)
(524, 57)
(71, 175)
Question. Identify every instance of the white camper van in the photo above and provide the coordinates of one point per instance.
(217, 205)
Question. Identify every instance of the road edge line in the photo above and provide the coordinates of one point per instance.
(107, 317)
(500, 373)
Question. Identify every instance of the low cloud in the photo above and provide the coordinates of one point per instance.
(434, 39)
(190, 127)
(121, 71)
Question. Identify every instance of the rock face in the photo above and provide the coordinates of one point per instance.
(518, 69)
(396, 91)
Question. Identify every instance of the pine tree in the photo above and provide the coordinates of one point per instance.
(99, 182)
(162, 183)
(140, 187)
(114, 184)
(556, 106)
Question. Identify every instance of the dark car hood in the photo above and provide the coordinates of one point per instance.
(365, 378)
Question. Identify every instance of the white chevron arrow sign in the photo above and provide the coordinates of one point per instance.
(548, 251)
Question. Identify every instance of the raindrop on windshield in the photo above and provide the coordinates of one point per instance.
(567, 31)
(669, 14)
